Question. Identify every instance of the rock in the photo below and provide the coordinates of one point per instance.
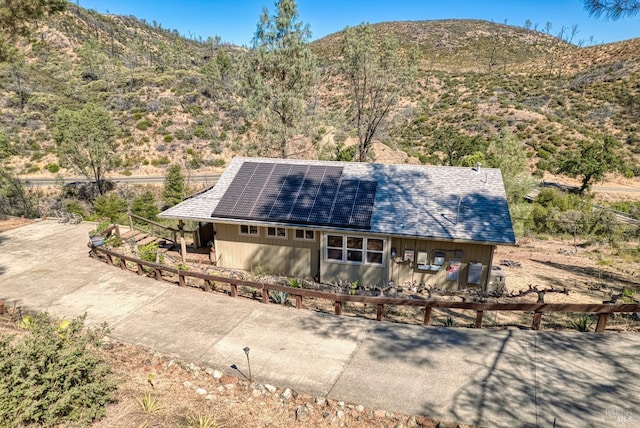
(209, 371)
(412, 422)
(425, 422)
(379, 414)
(201, 391)
(272, 389)
(321, 401)
(217, 374)
(221, 388)
(286, 394)
(187, 384)
(209, 397)
(256, 393)
(360, 408)
(229, 386)
(340, 404)
(340, 414)
(399, 425)
(228, 380)
(301, 413)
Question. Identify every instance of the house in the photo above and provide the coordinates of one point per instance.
(372, 223)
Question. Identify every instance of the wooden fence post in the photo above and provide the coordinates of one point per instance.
(158, 274)
(602, 322)
(379, 311)
(207, 285)
(478, 323)
(337, 308)
(140, 269)
(234, 290)
(298, 301)
(427, 315)
(537, 317)
(181, 280)
(265, 295)
(123, 264)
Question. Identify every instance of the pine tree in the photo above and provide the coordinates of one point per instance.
(279, 78)
(173, 186)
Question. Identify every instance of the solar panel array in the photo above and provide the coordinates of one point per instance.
(298, 194)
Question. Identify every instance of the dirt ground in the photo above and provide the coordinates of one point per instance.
(188, 395)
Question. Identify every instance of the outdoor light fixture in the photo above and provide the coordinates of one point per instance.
(246, 352)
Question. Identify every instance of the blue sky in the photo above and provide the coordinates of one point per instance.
(235, 20)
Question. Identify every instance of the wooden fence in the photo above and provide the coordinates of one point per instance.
(603, 310)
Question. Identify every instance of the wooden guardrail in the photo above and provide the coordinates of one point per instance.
(171, 232)
(603, 310)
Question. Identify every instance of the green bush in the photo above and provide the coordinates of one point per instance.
(52, 376)
(111, 206)
(53, 168)
(149, 253)
(145, 206)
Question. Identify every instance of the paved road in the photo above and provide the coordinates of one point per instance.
(207, 179)
(504, 378)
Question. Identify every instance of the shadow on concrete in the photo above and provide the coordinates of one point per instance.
(554, 379)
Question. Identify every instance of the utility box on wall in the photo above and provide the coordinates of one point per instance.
(474, 275)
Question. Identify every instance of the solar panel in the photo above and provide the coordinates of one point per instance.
(298, 194)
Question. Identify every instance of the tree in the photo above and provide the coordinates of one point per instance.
(279, 77)
(591, 161)
(378, 76)
(110, 206)
(17, 16)
(85, 140)
(145, 206)
(173, 186)
(454, 145)
(507, 153)
(613, 9)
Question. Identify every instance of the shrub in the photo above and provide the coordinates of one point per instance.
(150, 253)
(53, 168)
(51, 376)
(582, 322)
(111, 206)
(145, 206)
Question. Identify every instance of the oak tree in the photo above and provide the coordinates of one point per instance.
(86, 142)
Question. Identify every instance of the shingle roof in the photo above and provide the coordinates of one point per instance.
(444, 203)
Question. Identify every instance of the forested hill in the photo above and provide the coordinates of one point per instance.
(175, 100)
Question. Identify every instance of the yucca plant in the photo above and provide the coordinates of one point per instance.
(582, 322)
(148, 403)
(278, 297)
(202, 421)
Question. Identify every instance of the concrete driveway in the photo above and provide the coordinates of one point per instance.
(504, 378)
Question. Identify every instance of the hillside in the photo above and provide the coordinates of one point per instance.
(173, 101)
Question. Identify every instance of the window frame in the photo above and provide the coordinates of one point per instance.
(352, 244)
(304, 235)
(276, 229)
(249, 228)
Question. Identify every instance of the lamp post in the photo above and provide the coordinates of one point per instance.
(246, 352)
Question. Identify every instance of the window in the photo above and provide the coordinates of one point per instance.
(334, 247)
(248, 229)
(305, 234)
(374, 251)
(277, 232)
(355, 249)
